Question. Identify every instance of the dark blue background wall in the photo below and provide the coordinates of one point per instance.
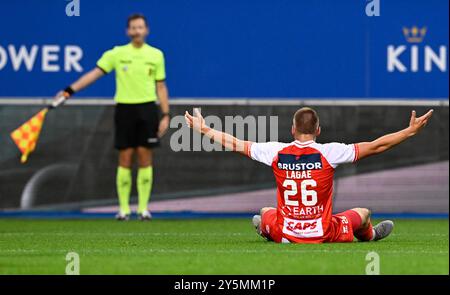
(245, 48)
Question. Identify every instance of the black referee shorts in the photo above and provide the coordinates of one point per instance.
(136, 125)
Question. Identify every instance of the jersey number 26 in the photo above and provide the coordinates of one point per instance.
(308, 196)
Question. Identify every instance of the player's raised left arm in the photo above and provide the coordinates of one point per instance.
(386, 142)
(197, 123)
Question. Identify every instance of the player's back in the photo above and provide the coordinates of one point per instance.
(304, 176)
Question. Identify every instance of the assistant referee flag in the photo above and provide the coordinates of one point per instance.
(26, 136)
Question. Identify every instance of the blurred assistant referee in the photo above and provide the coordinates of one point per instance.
(140, 81)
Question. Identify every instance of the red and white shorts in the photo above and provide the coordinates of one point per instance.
(341, 227)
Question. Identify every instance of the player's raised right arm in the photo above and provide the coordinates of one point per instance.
(83, 82)
(197, 123)
(388, 141)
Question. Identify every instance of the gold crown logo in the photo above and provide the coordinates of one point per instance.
(414, 34)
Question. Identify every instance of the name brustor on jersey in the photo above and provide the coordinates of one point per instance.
(23, 57)
(299, 163)
(299, 166)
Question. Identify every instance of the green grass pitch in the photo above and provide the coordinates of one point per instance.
(209, 246)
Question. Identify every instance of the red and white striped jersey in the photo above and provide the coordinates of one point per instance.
(304, 174)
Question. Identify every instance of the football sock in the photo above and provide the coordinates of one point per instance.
(123, 184)
(365, 234)
(144, 187)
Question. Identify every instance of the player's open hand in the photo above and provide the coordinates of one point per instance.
(416, 124)
(196, 121)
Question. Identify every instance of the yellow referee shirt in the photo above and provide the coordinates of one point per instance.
(137, 70)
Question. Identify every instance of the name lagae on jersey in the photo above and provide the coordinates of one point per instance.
(298, 174)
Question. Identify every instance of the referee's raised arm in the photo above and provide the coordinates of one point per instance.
(83, 82)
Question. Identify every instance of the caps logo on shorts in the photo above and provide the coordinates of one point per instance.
(303, 228)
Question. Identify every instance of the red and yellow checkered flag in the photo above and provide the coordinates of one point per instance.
(26, 136)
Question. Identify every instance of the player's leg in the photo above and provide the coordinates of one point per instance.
(364, 231)
(266, 225)
(256, 220)
(359, 218)
(123, 182)
(265, 209)
(144, 181)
